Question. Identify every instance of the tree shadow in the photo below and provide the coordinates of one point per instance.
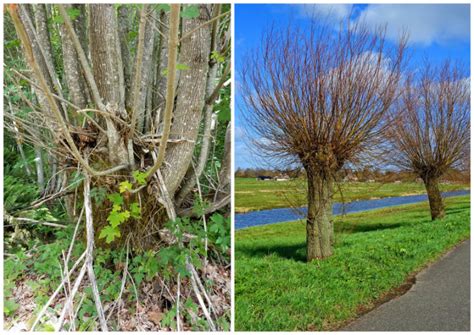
(361, 228)
(295, 252)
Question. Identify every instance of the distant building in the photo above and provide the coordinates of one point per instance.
(351, 177)
(264, 178)
(283, 177)
(397, 182)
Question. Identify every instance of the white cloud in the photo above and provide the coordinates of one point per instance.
(425, 23)
(332, 11)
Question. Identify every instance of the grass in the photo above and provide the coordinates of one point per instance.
(375, 252)
(251, 195)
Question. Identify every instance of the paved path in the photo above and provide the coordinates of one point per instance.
(439, 301)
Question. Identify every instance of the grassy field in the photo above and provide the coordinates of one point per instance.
(251, 195)
(375, 251)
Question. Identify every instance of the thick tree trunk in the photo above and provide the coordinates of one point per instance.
(434, 197)
(319, 228)
(72, 69)
(191, 93)
(108, 74)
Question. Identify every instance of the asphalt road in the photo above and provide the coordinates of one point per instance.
(439, 300)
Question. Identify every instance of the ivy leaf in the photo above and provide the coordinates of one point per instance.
(140, 177)
(125, 186)
(109, 233)
(116, 199)
(190, 12)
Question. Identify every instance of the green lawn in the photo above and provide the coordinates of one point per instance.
(375, 251)
(251, 195)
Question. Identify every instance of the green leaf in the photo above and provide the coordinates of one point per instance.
(216, 55)
(109, 233)
(12, 44)
(135, 210)
(190, 12)
(140, 177)
(77, 178)
(116, 218)
(224, 115)
(116, 199)
(125, 186)
(163, 7)
(73, 13)
(182, 67)
(9, 307)
(99, 194)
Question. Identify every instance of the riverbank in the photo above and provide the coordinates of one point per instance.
(253, 195)
(277, 215)
(375, 251)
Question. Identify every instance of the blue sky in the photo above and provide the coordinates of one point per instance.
(436, 31)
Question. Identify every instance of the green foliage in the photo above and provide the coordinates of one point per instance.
(99, 194)
(109, 233)
(9, 307)
(163, 7)
(180, 67)
(119, 214)
(116, 199)
(140, 177)
(219, 232)
(375, 251)
(144, 266)
(218, 57)
(76, 179)
(169, 320)
(125, 186)
(190, 11)
(72, 12)
(135, 210)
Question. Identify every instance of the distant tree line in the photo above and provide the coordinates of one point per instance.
(362, 175)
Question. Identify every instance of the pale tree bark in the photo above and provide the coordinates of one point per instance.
(124, 30)
(194, 173)
(160, 79)
(144, 67)
(108, 74)
(72, 69)
(191, 91)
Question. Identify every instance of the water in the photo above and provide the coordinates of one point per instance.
(258, 218)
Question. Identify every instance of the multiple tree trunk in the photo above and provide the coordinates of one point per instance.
(102, 98)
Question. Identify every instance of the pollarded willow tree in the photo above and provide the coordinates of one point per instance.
(319, 98)
(130, 98)
(430, 129)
